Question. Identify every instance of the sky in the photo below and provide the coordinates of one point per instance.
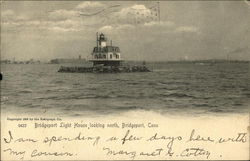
(190, 30)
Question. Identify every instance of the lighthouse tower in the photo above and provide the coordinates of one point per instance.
(104, 54)
(102, 40)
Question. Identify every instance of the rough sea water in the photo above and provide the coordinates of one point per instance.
(172, 88)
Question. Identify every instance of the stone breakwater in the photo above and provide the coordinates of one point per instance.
(104, 69)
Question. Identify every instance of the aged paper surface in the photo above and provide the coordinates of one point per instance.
(125, 80)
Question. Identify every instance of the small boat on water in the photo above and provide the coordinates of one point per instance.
(105, 59)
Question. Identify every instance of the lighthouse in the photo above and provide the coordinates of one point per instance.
(104, 54)
(106, 58)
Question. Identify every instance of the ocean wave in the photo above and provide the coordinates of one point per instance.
(217, 110)
(133, 83)
(25, 91)
(247, 95)
(57, 82)
(204, 105)
(237, 104)
(177, 95)
(174, 83)
(122, 108)
(178, 88)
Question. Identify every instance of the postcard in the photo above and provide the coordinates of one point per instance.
(125, 80)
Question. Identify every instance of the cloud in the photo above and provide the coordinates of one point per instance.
(190, 29)
(152, 24)
(63, 26)
(162, 23)
(97, 16)
(163, 27)
(61, 29)
(88, 6)
(239, 50)
(106, 28)
(83, 15)
(58, 26)
(135, 14)
(9, 15)
(133, 10)
(9, 25)
(112, 28)
(86, 14)
(62, 14)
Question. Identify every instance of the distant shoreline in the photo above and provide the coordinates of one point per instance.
(83, 61)
(195, 61)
